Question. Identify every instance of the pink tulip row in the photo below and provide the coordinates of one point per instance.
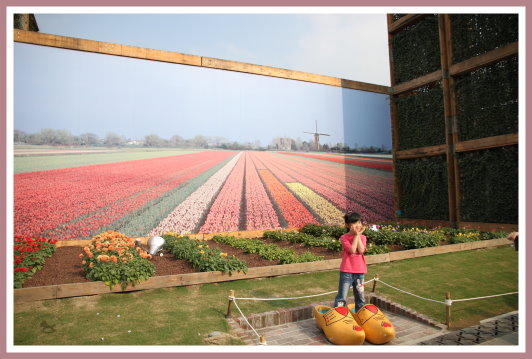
(72, 202)
(186, 217)
(224, 215)
(259, 209)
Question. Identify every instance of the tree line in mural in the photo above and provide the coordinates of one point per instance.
(52, 137)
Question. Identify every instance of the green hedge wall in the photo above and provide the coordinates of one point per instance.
(416, 50)
(489, 185)
(475, 34)
(487, 101)
(420, 118)
(423, 188)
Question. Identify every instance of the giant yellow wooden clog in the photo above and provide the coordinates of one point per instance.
(338, 325)
(378, 329)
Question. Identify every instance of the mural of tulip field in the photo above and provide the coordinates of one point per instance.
(202, 192)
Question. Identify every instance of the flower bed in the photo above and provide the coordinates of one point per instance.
(230, 254)
(29, 254)
(268, 251)
(203, 258)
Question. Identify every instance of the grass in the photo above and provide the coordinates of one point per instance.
(185, 315)
(48, 162)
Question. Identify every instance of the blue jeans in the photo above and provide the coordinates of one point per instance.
(347, 280)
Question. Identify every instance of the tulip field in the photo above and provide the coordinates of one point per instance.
(201, 192)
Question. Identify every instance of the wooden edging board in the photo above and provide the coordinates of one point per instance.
(24, 295)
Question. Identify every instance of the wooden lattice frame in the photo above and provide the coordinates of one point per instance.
(447, 75)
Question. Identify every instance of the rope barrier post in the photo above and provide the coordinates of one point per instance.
(230, 304)
(375, 280)
(448, 303)
(262, 340)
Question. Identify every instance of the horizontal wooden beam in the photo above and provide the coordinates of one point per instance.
(484, 59)
(24, 295)
(405, 21)
(421, 152)
(69, 43)
(107, 48)
(487, 142)
(417, 83)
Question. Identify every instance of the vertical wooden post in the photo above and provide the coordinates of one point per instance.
(230, 304)
(450, 118)
(262, 340)
(448, 309)
(394, 126)
(375, 279)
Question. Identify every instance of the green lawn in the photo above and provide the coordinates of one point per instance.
(184, 315)
(48, 162)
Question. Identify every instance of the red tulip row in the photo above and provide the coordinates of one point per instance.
(260, 213)
(74, 202)
(386, 165)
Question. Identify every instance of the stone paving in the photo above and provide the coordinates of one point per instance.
(306, 332)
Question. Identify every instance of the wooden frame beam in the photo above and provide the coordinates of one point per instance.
(403, 22)
(485, 59)
(487, 142)
(107, 48)
(428, 151)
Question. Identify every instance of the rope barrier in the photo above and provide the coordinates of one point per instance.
(414, 295)
(447, 302)
(487, 296)
(290, 298)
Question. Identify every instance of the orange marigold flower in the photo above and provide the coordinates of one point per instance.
(114, 259)
(91, 265)
(81, 255)
(83, 262)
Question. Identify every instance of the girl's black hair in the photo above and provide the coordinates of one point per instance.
(352, 217)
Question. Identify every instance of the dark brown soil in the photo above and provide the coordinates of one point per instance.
(64, 266)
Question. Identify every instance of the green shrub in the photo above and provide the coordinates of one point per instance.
(324, 230)
(308, 240)
(414, 239)
(202, 257)
(267, 251)
(376, 249)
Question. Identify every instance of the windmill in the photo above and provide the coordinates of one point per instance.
(317, 137)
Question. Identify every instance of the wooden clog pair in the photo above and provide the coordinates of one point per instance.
(344, 326)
